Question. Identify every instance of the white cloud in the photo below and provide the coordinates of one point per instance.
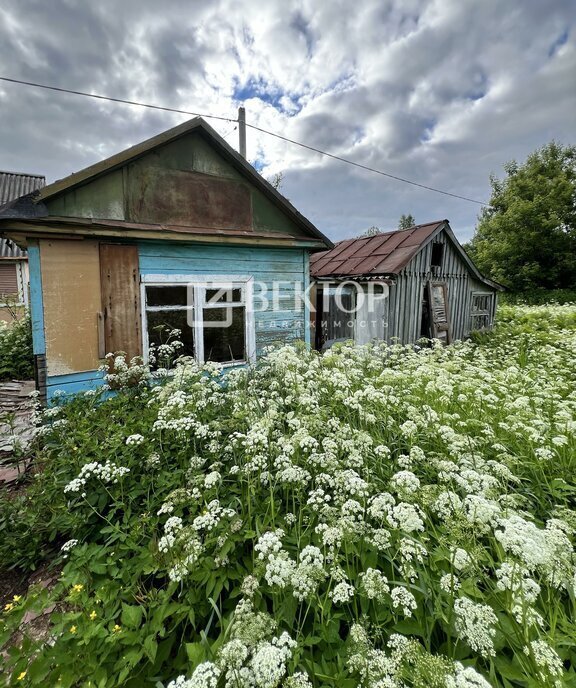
(439, 91)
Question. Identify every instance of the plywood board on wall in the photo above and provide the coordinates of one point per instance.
(71, 290)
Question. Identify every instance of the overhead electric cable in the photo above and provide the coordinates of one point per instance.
(252, 126)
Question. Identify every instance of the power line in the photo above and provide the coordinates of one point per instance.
(117, 100)
(252, 126)
(365, 167)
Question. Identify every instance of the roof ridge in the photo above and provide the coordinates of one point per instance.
(391, 231)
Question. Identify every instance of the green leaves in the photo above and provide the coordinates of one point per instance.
(527, 238)
(134, 608)
(131, 616)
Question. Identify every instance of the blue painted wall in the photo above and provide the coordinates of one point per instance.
(289, 321)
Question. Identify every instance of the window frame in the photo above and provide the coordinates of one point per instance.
(487, 313)
(21, 295)
(199, 283)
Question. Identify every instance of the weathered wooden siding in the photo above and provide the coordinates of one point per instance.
(184, 182)
(279, 323)
(405, 301)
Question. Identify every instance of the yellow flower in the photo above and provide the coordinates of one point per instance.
(93, 615)
(117, 628)
(17, 598)
(73, 629)
(8, 607)
(77, 588)
(21, 676)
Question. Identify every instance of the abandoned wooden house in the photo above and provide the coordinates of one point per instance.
(13, 260)
(177, 224)
(400, 286)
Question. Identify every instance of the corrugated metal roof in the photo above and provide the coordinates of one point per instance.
(382, 254)
(12, 186)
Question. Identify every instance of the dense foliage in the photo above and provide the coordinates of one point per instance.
(16, 360)
(526, 239)
(372, 517)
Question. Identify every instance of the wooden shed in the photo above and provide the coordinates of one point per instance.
(400, 286)
(178, 230)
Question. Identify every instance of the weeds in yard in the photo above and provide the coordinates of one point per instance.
(372, 517)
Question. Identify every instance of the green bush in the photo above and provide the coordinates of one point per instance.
(371, 517)
(538, 297)
(16, 359)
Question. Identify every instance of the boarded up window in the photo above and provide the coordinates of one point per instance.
(119, 278)
(178, 197)
(71, 292)
(8, 280)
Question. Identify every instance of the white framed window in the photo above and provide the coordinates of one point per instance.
(214, 314)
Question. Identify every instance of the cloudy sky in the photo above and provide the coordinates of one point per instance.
(439, 91)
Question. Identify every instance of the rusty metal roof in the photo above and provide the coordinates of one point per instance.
(382, 254)
(12, 186)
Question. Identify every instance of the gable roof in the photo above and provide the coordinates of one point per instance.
(204, 129)
(12, 186)
(381, 254)
(385, 254)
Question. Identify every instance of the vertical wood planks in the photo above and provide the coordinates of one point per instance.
(119, 278)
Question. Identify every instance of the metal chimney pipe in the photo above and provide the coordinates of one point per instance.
(242, 130)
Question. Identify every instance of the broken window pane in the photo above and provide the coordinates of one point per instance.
(223, 296)
(161, 323)
(224, 334)
(167, 296)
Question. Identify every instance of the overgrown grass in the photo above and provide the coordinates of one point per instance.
(16, 359)
(371, 517)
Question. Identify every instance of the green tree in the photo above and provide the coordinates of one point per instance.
(373, 231)
(526, 239)
(406, 221)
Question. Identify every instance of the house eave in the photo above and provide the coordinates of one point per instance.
(20, 231)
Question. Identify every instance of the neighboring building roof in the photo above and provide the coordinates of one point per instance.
(125, 156)
(385, 254)
(381, 254)
(13, 185)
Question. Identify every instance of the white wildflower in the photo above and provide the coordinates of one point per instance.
(402, 597)
(475, 624)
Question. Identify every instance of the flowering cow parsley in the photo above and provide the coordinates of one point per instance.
(475, 624)
(405, 482)
(342, 592)
(134, 440)
(402, 597)
(106, 473)
(546, 659)
(466, 677)
(205, 675)
(406, 517)
(374, 584)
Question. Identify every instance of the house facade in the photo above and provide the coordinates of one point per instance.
(13, 260)
(178, 232)
(400, 286)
